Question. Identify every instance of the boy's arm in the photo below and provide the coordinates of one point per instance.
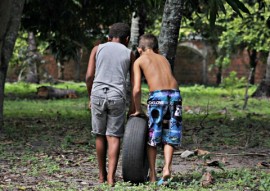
(131, 106)
(137, 88)
(90, 74)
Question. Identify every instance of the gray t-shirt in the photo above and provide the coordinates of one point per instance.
(112, 66)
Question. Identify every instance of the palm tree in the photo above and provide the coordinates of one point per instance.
(171, 22)
(33, 59)
(10, 16)
(172, 16)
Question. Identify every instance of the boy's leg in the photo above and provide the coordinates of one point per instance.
(101, 149)
(168, 155)
(113, 155)
(152, 154)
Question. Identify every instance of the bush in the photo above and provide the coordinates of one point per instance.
(232, 82)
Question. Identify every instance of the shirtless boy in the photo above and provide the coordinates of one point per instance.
(164, 105)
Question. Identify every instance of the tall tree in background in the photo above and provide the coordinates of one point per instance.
(171, 22)
(72, 26)
(250, 33)
(33, 58)
(138, 20)
(172, 16)
(144, 13)
(253, 34)
(10, 17)
(263, 89)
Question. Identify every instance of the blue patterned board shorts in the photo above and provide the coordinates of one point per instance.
(165, 117)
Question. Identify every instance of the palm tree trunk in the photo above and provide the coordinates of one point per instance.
(33, 59)
(138, 22)
(134, 31)
(171, 22)
(137, 29)
(61, 67)
(10, 17)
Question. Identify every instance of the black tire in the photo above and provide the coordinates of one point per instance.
(134, 156)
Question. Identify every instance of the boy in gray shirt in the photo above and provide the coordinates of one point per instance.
(106, 76)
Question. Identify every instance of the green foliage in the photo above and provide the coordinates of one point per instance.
(20, 49)
(81, 22)
(232, 32)
(232, 82)
(249, 32)
(155, 28)
(20, 58)
(63, 49)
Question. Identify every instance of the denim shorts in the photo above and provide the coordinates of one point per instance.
(108, 112)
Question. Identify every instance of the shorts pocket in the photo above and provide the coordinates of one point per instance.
(96, 101)
(116, 106)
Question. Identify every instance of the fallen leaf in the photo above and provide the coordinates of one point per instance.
(216, 164)
(207, 179)
(201, 152)
(264, 164)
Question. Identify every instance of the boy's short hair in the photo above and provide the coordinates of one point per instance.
(148, 41)
(119, 30)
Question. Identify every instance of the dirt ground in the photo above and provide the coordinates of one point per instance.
(231, 158)
(237, 158)
(38, 161)
(77, 171)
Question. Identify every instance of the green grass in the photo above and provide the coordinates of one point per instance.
(48, 145)
(228, 180)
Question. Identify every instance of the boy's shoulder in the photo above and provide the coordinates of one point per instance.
(142, 59)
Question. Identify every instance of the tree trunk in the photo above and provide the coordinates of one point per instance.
(134, 31)
(219, 75)
(61, 67)
(137, 29)
(78, 64)
(253, 63)
(33, 58)
(263, 89)
(171, 22)
(10, 17)
(267, 72)
(138, 23)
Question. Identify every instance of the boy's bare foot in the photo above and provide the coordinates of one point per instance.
(152, 177)
(166, 174)
(103, 178)
(111, 182)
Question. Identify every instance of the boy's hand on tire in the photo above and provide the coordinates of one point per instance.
(138, 114)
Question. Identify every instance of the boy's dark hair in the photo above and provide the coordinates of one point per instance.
(148, 41)
(119, 30)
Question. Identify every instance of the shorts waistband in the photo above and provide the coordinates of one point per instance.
(169, 91)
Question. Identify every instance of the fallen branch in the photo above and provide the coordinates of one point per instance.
(241, 154)
(49, 92)
(232, 154)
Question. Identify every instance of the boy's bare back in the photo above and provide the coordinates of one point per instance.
(157, 71)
